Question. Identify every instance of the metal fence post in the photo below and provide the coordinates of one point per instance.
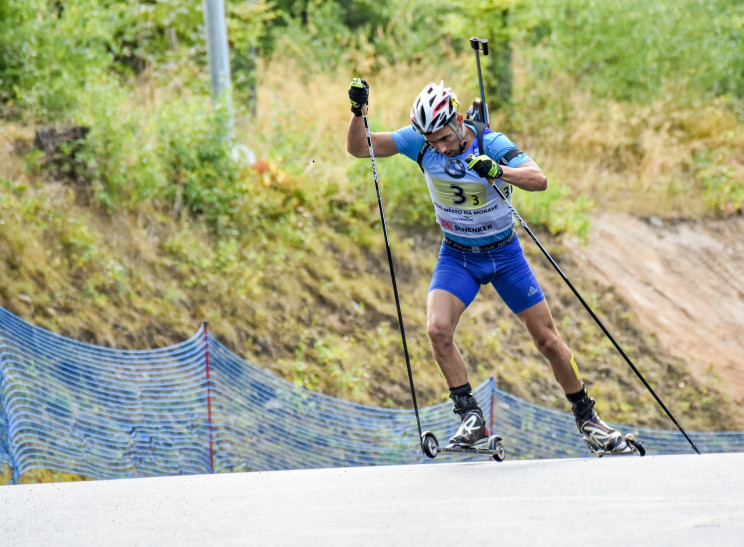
(219, 59)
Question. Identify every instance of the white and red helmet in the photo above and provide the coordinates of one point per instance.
(434, 108)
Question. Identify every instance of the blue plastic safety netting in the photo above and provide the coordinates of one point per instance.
(196, 407)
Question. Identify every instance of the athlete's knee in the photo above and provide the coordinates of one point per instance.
(441, 331)
(550, 344)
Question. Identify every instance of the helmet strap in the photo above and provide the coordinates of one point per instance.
(460, 135)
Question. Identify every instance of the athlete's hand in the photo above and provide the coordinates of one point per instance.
(358, 95)
(485, 166)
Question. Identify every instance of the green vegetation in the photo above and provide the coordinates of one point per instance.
(150, 224)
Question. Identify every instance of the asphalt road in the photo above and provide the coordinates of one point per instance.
(629, 501)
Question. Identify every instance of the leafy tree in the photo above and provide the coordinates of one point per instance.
(52, 48)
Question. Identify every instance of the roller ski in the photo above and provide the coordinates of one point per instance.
(601, 439)
(472, 436)
(488, 446)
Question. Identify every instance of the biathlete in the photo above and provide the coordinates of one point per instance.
(479, 247)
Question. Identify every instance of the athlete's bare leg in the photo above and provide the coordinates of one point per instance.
(443, 312)
(548, 341)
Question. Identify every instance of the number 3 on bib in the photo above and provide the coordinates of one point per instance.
(465, 195)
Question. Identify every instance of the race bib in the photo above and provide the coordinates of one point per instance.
(461, 195)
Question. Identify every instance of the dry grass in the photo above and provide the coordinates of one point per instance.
(634, 158)
(623, 156)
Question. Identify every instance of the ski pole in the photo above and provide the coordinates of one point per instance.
(479, 44)
(476, 44)
(392, 275)
(589, 309)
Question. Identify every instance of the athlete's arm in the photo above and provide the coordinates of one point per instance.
(356, 141)
(528, 176)
(518, 168)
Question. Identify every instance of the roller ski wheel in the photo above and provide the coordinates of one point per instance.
(491, 446)
(429, 444)
(495, 444)
(629, 446)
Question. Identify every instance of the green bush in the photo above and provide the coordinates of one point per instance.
(630, 51)
(48, 51)
(177, 157)
(360, 33)
(196, 159)
(723, 193)
(555, 209)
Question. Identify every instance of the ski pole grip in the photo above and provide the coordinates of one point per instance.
(479, 44)
(491, 181)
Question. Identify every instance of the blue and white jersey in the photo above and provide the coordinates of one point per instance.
(468, 209)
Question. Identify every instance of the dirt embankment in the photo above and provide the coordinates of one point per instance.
(684, 280)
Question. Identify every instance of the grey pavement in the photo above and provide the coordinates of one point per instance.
(628, 500)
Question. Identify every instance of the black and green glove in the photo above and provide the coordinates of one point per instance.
(485, 166)
(358, 95)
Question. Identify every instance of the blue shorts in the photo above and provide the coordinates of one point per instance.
(462, 273)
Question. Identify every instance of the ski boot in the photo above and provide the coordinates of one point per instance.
(472, 428)
(600, 437)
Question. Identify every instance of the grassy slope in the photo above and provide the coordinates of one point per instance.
(307, 294)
